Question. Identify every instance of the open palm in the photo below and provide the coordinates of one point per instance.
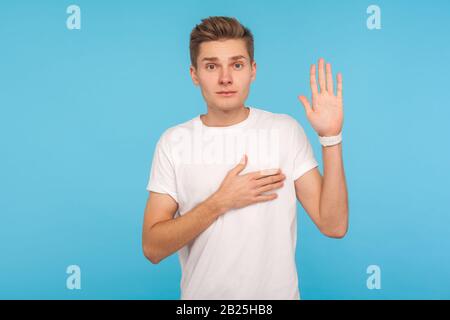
(326, 114)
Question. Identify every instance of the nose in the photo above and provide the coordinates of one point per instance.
(225, 77)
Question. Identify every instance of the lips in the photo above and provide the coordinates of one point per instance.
(226, 93)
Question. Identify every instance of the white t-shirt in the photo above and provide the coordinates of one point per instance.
(247, 253)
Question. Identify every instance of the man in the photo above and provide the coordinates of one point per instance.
(234, 224)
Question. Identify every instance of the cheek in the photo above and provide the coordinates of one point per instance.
(206, 86)
(244, 84)
(208, 82)
(244, 79)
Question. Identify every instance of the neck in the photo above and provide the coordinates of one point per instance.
(223, 118)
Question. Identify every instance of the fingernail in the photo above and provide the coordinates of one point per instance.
(242, 160)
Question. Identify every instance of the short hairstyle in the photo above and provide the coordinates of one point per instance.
(219, 28)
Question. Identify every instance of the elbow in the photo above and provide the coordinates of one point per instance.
(336, 233)
(148, 254)
(335, 229)
(148, 249)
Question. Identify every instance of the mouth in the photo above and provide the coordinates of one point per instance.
(226, 93)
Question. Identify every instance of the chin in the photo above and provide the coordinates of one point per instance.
(228, 105)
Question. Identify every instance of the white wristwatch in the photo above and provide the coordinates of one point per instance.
(330, 141)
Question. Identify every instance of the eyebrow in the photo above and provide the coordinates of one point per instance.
(215, 58)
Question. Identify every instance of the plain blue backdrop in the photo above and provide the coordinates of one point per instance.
(82, 110)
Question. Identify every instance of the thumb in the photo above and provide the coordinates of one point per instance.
(305, 103)
(240, 166)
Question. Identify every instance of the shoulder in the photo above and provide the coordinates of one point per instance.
(177, 132)
(281, 120)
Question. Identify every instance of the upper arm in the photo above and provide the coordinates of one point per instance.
(160, 207)
(308, 188)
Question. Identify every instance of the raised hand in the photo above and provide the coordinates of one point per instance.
(326, 114)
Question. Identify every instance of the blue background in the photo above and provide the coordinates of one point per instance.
(81, 111)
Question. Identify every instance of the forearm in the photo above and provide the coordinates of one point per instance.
(333, 199)
(166, 237)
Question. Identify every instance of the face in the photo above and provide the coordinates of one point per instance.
(224, 66)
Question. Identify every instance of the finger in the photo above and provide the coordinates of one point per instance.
(321, 75)
(305, 103)
(312, 80)
(339, 85)
(266, 197)
(270, 180)
(329, 74)
(263, 173)
(269, 187)
(240, 166)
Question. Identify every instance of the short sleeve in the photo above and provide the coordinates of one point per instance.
(162, 177)
(303, 154)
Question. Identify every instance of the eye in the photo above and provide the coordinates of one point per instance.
(208, 66)
(239, 64)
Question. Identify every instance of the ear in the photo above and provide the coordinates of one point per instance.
(194, 77)
(253, 76)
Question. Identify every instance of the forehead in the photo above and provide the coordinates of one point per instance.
(223, 50)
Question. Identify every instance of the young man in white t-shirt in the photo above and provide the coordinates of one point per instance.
(234, 223)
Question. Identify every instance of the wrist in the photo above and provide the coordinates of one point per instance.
(327, 141)
(218, 203)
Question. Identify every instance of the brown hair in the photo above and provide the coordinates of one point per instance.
(219, 28)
